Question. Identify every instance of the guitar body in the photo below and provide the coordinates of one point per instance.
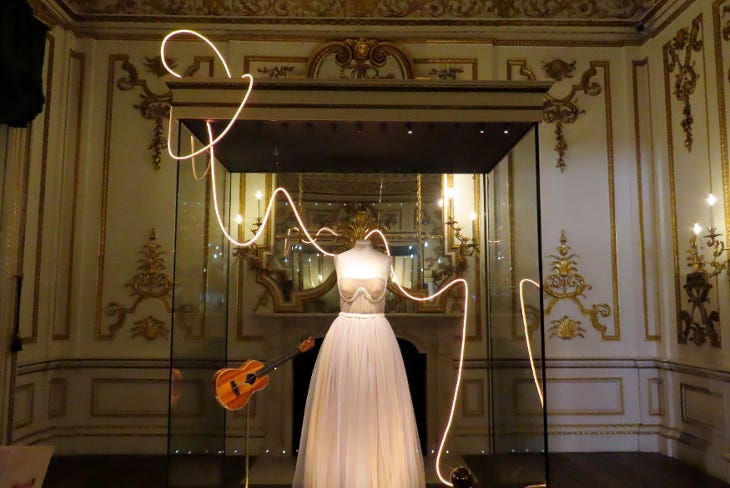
(234, 386)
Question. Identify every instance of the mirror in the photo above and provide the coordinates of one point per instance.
(408, 208)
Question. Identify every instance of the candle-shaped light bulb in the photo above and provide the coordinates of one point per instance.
(441, 202)
(239, 219)
(473, 216)
(711, 200)
(258, 203)
(697, 228)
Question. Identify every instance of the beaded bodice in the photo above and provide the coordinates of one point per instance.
(364, 296)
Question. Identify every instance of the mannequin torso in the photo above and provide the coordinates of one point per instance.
(362, 262)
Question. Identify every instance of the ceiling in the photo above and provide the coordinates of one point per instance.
(607, 20)
(370, 147)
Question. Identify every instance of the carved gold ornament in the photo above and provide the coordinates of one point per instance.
(280, 71)
(448, 73)
(684, 43)
(150, 282)
(561, 111)
(387, 9)
(152, 107)
(566, 283)
(362, 58)
(566, 328)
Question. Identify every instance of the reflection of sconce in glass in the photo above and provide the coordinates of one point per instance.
(697, 286)
(467, 245)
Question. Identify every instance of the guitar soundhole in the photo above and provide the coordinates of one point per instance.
(250, 379)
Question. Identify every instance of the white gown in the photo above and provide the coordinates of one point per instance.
(359, 429)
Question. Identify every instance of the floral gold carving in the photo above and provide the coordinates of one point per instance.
(449, 73)
(566, 283)
(564, 110)
(388, 9)
(152, 107)
(678, 55)
(361, 58)
(276, 71)
(150, 328)
(566, 328)
(156, 67)
(150, 282)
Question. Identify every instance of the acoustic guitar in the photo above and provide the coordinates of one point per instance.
(234, 386)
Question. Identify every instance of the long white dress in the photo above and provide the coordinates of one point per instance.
(359, 429)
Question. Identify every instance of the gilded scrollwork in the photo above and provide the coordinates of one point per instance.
(448, 73)
(153, 106)
(280, 71)
(150, 328)
(388, 9)
(564, 110)
(150, 282)
(566, 328)
(566, 283)
(683, 45)
(362, 58)
(560, 110)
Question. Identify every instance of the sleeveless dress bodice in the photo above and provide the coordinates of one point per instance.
(363, 296)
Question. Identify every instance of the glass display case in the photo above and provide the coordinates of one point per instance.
(478, 222)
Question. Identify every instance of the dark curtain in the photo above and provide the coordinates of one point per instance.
(22, 46)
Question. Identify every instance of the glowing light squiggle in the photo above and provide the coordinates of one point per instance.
(457, 386)
(527, 340)
(228, 72)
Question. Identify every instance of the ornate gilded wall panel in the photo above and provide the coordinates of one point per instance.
(721, 31)
(360, 58)
(38, 258)
(678, 56)
(75, 91)
(560, 110)
(644, 147)
(357, 11)
(565, 283)
(150, 282)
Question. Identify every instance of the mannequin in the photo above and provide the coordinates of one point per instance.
(359, 429)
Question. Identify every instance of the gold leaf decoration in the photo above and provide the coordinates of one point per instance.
(566, 328)
(565, 283)
(150, 282)
(150, 328)
(340, 11)
(561, 111)
(685, 42)
(280, 71)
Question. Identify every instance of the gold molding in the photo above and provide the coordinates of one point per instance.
(361, 58)
(279, 70)
(659, 412)
(38, 263)
(568, 284)
(499, 13)
(153, 106)
(722, 32)
(57, 392)
(28, 419)
(617, 380)
(474, 62)
(478, 385)
(686, 77)
(150, 282)
(79, 58)
(96, 383)
(683, 388)
(635, 65)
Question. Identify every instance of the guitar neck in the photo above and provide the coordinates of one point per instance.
(275, 364)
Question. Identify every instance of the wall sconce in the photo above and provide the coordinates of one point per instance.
(467, 245)
(701, 324)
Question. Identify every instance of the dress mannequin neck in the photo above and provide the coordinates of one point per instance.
(363, 243)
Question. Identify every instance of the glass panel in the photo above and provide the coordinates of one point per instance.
(518, 440)
(196, 440)
(283, 289)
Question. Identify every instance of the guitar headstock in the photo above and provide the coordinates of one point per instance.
(306, 345)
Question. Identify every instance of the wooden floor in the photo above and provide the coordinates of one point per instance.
(567, 470)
